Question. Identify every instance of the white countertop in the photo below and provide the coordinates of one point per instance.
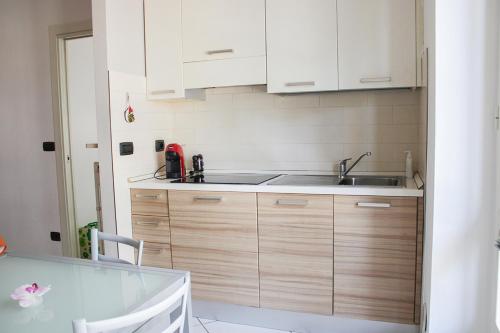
(410, 190)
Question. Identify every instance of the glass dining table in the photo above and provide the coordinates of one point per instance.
(81, 289)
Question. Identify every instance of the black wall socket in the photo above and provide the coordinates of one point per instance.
(55, 236)
(159, 145)
(49, 146)
(126, 148)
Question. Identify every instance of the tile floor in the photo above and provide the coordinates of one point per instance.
(214, 326)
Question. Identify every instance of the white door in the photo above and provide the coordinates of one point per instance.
(377, 47)
(301, 45)
(82, 126)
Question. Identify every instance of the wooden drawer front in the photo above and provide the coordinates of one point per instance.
(157, 255)
(149, 202)
(375, 257)
(296, 252)
(214, 235)
(154, 229)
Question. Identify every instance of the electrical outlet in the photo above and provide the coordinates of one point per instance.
(55, 236)
(49, 146)
(126, 148)
(159, 145)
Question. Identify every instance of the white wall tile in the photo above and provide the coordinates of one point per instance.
(296, 101)
(345, 98)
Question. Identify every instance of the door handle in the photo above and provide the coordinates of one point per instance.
(374, 204)
(285, 202)
(92, 146)
(212, 52)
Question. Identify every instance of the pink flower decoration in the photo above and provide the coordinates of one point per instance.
(29, 294)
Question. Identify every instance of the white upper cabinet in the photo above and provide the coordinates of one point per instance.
(226, 38)
(301, 45)
(163, 38)
(376, 40)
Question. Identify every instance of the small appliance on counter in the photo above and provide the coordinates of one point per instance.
(227, 178)
(174, 161)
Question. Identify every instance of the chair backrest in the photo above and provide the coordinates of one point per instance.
(96, 236)
(139, 317)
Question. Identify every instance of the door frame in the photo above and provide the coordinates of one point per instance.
(58, 35)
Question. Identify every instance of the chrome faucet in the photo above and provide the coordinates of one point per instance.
(343, 165)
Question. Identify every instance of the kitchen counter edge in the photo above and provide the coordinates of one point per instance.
(409, 191)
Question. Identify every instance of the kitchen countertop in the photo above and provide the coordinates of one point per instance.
(410, 190)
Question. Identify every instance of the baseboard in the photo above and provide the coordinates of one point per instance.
(293, 321)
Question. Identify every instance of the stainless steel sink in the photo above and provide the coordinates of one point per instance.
(311, 180)
(381, 181)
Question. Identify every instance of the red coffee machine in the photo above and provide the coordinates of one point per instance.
(174, 161)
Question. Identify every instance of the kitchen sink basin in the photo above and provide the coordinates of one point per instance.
(311, 180)
(382, 181)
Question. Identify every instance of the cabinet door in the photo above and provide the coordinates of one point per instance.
(375, 242)
(376, 44)
(163, 49)
(214, 236)
(296, 252)
(221, 29)
(301, 45)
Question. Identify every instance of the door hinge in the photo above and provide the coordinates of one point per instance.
(497, 118)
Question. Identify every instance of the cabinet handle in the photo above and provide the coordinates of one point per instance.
(300, 84)
(153, 251)
(148, 223)
(91, 145)
(160, 92)
(374, 204)
(284, 202)
(217, 199)
(212, 52)
(145, 196)
(375, 79)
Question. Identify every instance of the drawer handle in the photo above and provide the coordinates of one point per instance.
(300, 84)
(153, 251)
(374, 204)
(212, 52)
(284, 202)
(145, 196)
(375, 79)
(148, 223)
(214, 199)
(159, 92)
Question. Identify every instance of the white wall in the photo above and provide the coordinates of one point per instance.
(28, 186)
(459, 257)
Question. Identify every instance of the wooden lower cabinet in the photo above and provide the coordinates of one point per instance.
(375, 242)
(296, 252)
(214, 236)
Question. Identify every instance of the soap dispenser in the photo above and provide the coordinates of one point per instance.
(409, 164)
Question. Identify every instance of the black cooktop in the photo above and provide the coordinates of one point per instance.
(227, 178)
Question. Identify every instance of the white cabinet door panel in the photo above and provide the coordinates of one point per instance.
(163, 38)
(221, 29)
(376, 44)
(301, 45)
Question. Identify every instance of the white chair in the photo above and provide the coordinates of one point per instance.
(140, 317)
(96, 236)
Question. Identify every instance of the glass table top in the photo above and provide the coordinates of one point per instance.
(79, 289)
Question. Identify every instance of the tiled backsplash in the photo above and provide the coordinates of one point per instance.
(244, 128)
